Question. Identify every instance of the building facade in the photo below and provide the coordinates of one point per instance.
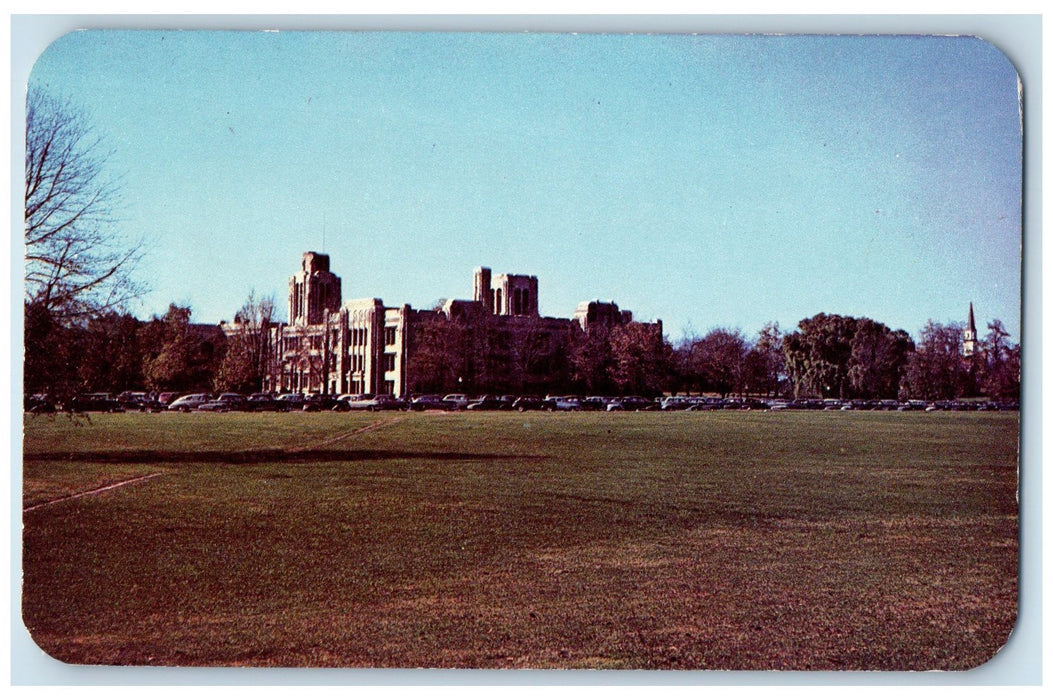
(497, 342)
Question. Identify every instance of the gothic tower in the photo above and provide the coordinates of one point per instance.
(314, 291)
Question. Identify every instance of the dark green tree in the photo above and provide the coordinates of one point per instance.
(845, 357)
(878, 360)
(52, 352)
(111, 358)
(818, 355)
(186, 357)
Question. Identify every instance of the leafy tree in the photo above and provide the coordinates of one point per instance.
(642, 359)
(535, 357)
(843, 357)
(75, 262)
(878, 359)
(1000, 370)
(591, 361)
(818, 354)
(766, 363)
(315, 357)
(186, 358)
(935, 369)
(52, 350)
(111, 358)
(755, 376)
(715, 362)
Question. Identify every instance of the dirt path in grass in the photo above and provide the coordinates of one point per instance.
(294, 450)
(92, 492)
(350, 434)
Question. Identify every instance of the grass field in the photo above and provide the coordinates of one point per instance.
(723, 540)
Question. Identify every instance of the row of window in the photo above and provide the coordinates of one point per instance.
(360, 336)
(358, 362)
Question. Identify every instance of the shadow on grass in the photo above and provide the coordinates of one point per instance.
(259, 456)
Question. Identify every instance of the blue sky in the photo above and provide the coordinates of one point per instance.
(704, 180)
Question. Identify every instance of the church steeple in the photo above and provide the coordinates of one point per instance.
(969, 335)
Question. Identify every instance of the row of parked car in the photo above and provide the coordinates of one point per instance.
(170, 401)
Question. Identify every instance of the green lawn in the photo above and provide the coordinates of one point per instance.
(719, 540)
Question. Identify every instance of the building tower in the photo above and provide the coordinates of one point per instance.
(506, 295)
(484, 292)
(515, 295)
(969, 335)
(314, 291)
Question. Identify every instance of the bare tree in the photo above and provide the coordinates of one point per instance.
(75, 261)
(247, 362)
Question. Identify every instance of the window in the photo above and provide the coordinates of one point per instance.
(389, 336)
(389, 362)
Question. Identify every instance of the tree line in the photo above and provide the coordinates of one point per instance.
(113, 351)
(827, 356)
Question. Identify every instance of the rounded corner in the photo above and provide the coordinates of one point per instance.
(998, 655)
(1002, 53)
(60, 39)
(31, 638)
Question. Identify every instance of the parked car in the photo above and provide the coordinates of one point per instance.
(224, 403)
(489, 403)
(134, 400)
(913, 405)
(459, 400)
(594, 403)
(39, 403)
(341, 402)
(387, 402)
(260, 401)
(566, 403)
(711, 403)
(167, 397)
(678, 403)
(631, 403)
(190, 402)
(432, 402)
(318, 402)
(289, 402)
(357, 402)
(365, 402)
(533, 403)
(96, 402)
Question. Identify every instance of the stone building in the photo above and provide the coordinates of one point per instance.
(335, 347)
(497, 342)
